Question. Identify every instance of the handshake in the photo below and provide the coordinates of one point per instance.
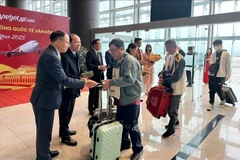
(89, 83)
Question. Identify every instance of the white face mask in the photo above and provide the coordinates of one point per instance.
(216, 48)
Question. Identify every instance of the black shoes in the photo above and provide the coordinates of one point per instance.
(69, 141)
(168, 134)
(136, 156)
(54, 153)
(176, 125)
(72, 132)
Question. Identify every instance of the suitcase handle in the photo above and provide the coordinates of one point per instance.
(109, 104)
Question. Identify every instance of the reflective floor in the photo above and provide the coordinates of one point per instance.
(202, 135)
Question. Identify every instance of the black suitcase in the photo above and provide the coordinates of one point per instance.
(229, 95)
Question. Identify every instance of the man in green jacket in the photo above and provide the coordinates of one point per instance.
(130, 83)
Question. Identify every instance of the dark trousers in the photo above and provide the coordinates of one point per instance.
(128, 117)
(93, 99)
(215, 86)
(190, 77)
(44, 124)
(173, 111)
(65, 114)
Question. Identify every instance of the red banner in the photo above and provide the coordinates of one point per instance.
(23, 36)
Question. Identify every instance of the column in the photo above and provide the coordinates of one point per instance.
(84, 15)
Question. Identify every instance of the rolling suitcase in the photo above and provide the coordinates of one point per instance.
(158, 101)
(106, 135)
(229, 95)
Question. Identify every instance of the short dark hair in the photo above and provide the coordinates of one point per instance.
(132, 46)
(190, 48)
(117, 42)
(171, 42)
(94, 42)
(147, 46)
(217, 41)
(56, 35)
(137, 39)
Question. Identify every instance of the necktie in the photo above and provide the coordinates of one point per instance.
(99, 58)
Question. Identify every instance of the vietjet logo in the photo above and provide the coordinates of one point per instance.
(154, 101)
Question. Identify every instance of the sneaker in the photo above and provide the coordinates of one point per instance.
(177, 124)
(136, 156)
(168, 134)
(222, 104)
(210, 108)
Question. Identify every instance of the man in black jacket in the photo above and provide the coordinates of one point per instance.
(110, 64)
(70, 63)
(47, 93)
(94, 62)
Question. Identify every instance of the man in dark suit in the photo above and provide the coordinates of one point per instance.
(94, 62)
(70, 63)
(110, 64)
(47, 93)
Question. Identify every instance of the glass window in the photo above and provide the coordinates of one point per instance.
(57, 7)
(223, 30)
(144, 1)
(159, 34)
(217, 6)
(201, 10)
(104, 5)
(65, 13)
(64, 4)
(226, 7)
(2, 2)
(144, 14)
(30, 6)
(38, 9)
(120, 3)
(47, 9)
(201, 31)
(104, 20)
(237, 26)
(38, 5)
(238, 6)
(236, 49)
(58, 13)
(124, 17)
(47, 2)
(198, 11)
(154, 34)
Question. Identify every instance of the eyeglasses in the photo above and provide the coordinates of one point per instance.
(169, 46)
(113, 50)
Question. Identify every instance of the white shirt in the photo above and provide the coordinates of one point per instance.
(73, 52)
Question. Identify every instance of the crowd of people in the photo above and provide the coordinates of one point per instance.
(59, 81)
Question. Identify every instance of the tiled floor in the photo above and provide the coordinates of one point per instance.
(17, 131)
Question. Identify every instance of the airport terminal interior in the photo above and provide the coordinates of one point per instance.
(201, 135)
